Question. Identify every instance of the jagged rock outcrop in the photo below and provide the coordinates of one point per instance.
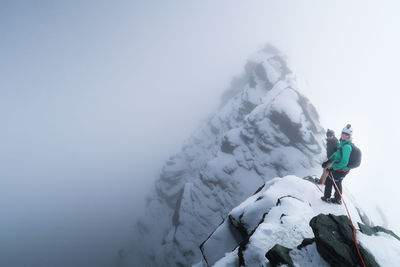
(335, 241)
(264, 128)
(278, 213)
(375, 230)
(279, 255)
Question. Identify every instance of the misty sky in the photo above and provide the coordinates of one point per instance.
(96, 95)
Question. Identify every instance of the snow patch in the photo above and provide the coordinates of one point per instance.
(384, 247)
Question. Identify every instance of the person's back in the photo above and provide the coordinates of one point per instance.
(331, 143)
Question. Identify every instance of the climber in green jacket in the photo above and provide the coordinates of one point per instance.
(339, 168)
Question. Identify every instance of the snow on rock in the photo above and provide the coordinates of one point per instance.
(278, 214)
(264, 128)
(285, 222)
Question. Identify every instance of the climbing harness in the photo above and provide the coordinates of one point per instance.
(348, 213)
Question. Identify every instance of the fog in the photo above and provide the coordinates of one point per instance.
(96, 95)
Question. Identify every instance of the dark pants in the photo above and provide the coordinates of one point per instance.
(338, 176)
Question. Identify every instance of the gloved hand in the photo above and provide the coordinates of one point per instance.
(325, 164)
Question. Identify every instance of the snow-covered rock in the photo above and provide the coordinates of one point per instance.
(285, 222)
(264, 128)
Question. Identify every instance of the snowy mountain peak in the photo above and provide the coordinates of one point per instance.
(264, 128)
(268, 65)
(263, 69)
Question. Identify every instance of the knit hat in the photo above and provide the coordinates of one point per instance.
(330, 133)
(348, 130)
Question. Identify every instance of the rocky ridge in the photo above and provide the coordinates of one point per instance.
(264, 128)
(286, 223)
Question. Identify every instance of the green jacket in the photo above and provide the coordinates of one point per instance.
(340, 162)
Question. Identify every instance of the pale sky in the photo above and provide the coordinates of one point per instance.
(96, 95)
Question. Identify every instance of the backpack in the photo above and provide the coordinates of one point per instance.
(355, 157)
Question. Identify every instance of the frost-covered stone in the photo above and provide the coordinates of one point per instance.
(264, 128)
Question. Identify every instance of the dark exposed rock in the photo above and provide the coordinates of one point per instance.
(284, 68)
(246, 108)
(279, 255)
(306, 242)
(259, 189)
(245, 242)
(259, 70)
(259, 198)
(278, 202)
(227, 146)
(309, 111)
(238, 225)
(335, 242)
(368, 230)
(256, 71)
(175, 217)
(312, 179)
(282, 215)
(286, 126)
(364, 217)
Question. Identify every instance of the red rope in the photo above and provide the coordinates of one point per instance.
(348, 213)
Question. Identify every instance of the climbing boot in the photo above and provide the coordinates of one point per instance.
(326, 199)
(336, 201)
